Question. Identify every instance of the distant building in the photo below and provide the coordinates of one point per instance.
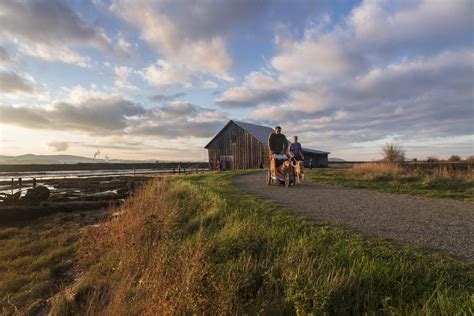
(242, 145)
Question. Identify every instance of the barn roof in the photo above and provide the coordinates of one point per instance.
(260, 132)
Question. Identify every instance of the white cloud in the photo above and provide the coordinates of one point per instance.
(258, 88)
(54, 53)
(165, 74)
(317, 58)
(208, 85)
(121, 78)
(419, 23)
(171, 38)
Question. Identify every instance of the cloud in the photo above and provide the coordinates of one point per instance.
(54, 53)
(419, 98)
(189, 36)
(208, 84)
(258, 88)
(15, 83)
(163, 74)
(93, 114)
(317, 58)
(121, 77)
(58, 146)
(5, 57)
(181, 119)
(48, 29)
(420, 24)
(167, 97)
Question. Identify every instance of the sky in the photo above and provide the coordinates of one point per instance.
(157, 80)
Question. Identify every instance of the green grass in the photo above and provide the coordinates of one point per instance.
(33, 263)
(431, 186)
(198, 245)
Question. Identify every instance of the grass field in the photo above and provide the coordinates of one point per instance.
(395, 180)
(35, 263)
(197, 245)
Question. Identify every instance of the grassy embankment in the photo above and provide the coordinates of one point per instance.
(35, 263)
(198, 245)
(436, 182)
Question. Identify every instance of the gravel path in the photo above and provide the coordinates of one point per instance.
(437, 224)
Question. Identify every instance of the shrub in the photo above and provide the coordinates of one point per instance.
(432, 159)
(454, 158)
(393, 153)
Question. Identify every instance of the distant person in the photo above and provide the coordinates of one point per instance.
(219, 164)
(295, 150)
(310, 163)
(278, 144)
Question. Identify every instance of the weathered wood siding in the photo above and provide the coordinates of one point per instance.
(319, 160)
(241, 149)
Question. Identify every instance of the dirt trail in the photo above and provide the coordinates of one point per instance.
(438, 224)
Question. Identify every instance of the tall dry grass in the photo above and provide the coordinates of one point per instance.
(138, 265)
(371, 170)
(374, 170)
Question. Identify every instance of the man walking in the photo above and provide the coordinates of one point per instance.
(277, 142)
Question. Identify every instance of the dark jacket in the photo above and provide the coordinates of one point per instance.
(277, 143)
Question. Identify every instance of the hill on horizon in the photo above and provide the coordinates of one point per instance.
(336, 159)
(32, 159)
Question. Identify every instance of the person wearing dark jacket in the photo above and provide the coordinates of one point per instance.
(277, 142)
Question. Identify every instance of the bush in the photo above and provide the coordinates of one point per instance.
(432, 159)
(393, 153)
(454, 158)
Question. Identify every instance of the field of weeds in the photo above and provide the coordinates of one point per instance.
(197, 245)
(35, 263)
(438, 180)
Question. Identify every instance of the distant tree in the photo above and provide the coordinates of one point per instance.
(454, 158)
(414, 160)
(432, 159)
(393, 153)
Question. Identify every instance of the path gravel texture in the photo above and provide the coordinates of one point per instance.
(437, 224)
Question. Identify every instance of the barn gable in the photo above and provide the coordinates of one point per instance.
(259, 132)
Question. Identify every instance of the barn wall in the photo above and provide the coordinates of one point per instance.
(319, 160)
(240, 149)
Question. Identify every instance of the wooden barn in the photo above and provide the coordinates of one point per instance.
(245, 146)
